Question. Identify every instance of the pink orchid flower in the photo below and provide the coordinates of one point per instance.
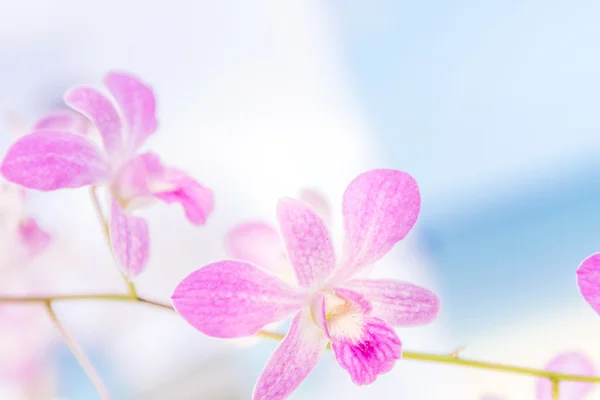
(231, 299)
(574, 363)
(57, 159)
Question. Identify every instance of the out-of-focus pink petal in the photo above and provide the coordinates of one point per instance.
(588, 279)
(144, 179)
(50, 160)
(231, 299)
(380, 207)
(34, 238)
(307, 241)
(103, 114)
(137, 103)
(63, 121)
(573, 363)
(295, 357)
(318, 203)
(365, 347)
(197, 201)
(398, 303)
(258, 243)
(130, 240)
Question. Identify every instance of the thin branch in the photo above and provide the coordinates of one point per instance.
(79, 354)
(407, 355)
(555, 389)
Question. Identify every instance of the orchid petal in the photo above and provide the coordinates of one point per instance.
(365, 347)
(588, 279)
(130, 240)
(35, 239)
(295, 357)
(307, 241)
(103, 114)
(174, 186)
(398, 303)
(259, 244)
(137, 103)
(380, 207)
(50, 160)
(145, 178)
(318, 203)
(231, 299)
(63, 121)
(567, 363)
(318, 310)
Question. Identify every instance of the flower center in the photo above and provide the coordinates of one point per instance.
(335, 305)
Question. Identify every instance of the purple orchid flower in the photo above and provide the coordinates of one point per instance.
(329, 304)
(51, 159)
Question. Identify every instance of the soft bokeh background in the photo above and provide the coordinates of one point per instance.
(492, 106)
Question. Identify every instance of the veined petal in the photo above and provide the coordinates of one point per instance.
(100, 110)
(380, 207)
(137, 103)
(318, 203)
(398, 303)
(50, 160)
(258, 243)
(307, 241)
(574, 363)
(130, 240)
(231, 299)
(588, 279)
(35, 239)
(364, 346)
(295, 357)
(63, 121)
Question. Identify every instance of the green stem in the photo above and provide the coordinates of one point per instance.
(452, 359)
(446, 359)
(555, 389)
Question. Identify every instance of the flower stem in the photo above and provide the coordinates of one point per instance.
(106, 233)
(78, 354)
(452, 359)
(555, 389)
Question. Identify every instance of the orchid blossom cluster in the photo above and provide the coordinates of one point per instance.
(274, 274)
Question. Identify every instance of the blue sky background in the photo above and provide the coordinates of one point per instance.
(494, 108)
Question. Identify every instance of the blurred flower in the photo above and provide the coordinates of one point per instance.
(56, 159)
(234, 298)
(573, 363)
